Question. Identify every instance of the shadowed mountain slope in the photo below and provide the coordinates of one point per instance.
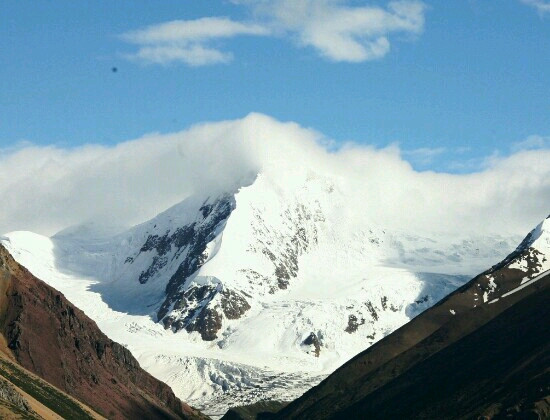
(56, 341)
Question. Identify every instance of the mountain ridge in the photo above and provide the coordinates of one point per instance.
(289, 259)
(55, 340)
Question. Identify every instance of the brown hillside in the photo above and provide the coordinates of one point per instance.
(55, 340)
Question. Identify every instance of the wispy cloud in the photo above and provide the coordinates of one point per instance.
(532, 142)
(188, 41)
(424, 155)
(542, 6)
(337, 31)
(340, 32)
(476, 163)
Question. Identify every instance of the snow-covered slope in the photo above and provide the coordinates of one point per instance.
(448, 359)
(527, 262)
(259, 292)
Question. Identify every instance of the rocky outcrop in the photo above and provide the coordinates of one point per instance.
(202, 308)
(353, 323)
(55, 340)
(314, 342)
(194, 240)
(284, 249)
(10, 395)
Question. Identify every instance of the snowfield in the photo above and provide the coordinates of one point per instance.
(307, 283)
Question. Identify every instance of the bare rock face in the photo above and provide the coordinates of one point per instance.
(353, 323)
(301, 223)
(193, 241)
(9, 394)
(187, 305)
(526, 261)
(55, 340)
(313, 341)
(200, 309)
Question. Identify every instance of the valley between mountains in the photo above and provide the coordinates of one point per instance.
(260, 292)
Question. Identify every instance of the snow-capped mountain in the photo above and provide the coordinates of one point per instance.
(261, 291)
(481, 352)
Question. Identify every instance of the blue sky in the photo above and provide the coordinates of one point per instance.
(452, 82)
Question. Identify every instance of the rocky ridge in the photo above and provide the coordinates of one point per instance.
(55, 340)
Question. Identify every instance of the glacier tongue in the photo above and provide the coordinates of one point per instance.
(256, 293)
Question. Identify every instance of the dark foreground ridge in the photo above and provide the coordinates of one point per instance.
(53, 339)
(260, 410)
(500, 370)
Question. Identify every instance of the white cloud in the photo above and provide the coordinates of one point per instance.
(335, 30)
(423, 155)
(340, 32)
(188, 41)
(542, 6)
(193, 55)
(531, 143)
(45, 189)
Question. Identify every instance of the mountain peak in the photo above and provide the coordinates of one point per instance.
(289, 259)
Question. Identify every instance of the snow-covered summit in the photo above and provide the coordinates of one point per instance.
(540, 236)
(533, 253)
(528, 261)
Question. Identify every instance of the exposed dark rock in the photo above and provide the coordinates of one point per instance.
(206, 209)
(233, 304)
(371, 310)
(189, 239)
(156, 265)
(195, 312)
(202, 308)
(10, 394)
(178, 240)
(301, 222)
(194, 308)
(353, 324)
(193, 240)
(256, 278)
(313, 340)
(208, 322)
(191, 312)
(423, 299)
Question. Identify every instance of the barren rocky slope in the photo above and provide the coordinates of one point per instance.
(55, 340)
